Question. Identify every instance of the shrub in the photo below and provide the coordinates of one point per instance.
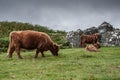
(3, 44)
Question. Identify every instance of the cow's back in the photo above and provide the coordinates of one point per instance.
(33, 39)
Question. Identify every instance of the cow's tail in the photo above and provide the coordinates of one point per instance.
(10, 43)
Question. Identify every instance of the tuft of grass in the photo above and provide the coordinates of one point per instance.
(71, 64)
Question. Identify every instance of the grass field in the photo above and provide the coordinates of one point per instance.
(71, 64)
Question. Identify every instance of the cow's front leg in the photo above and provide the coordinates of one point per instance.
(42, 54)
(37, 52)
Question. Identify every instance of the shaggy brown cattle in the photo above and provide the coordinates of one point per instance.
(91, 48)
(89, 39)
(97, 45)
(31, 40)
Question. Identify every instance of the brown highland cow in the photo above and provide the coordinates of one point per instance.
(89, 39)
(29, 40)
(93, 47)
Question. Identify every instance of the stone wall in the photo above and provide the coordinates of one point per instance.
(109, 35)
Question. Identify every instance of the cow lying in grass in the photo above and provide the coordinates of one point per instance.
(31, 40)
(93, 47)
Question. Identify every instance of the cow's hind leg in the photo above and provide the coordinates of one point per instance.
(11, 49)
(18, 52)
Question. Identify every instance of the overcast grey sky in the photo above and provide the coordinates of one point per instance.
(62, 14)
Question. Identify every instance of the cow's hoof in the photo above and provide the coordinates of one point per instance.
(9, 56)
(35, 57)
(20, 57)
(43, 56)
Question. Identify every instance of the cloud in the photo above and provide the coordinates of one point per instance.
(61, 14)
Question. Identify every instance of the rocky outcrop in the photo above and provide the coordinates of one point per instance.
(104, 27)
(91, 30)
(110, 38)
(74, 37)
(109, 35)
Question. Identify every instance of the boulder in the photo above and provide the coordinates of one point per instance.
(91, 30)
(104, 27)
(74, 37)
(111, 38)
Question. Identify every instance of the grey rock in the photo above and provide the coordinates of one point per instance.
(74, 37)
(91, 30)
(104, 27)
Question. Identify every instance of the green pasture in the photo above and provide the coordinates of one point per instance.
(71, 64)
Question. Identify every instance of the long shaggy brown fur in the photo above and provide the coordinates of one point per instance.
(91, 48)
(89, 39)
(29, 40)
(97, 45)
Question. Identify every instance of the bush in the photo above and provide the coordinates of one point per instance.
(3, 44)
(66, 45)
